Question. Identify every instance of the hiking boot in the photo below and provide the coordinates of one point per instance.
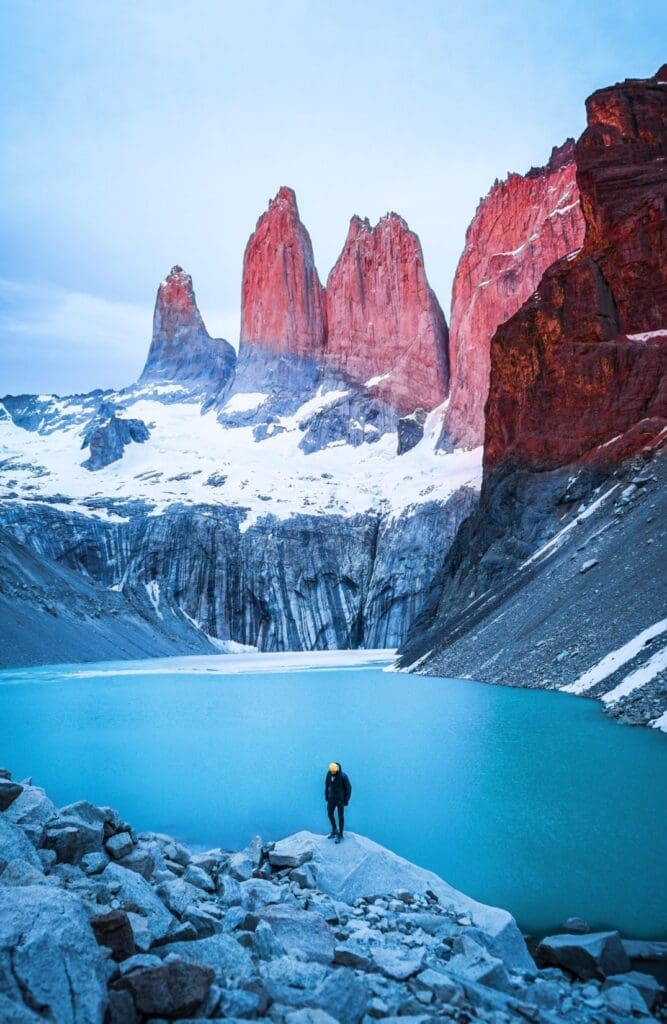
(332, 835)
(339, 837)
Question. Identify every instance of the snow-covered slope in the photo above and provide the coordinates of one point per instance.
(191, 457)
(222, 519)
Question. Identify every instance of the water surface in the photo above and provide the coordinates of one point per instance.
(530, 800)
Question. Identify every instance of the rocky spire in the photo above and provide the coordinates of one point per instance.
(282, 303)
(181, 349)
(383, 319)
(524, 224)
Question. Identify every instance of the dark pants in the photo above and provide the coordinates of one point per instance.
(331, 807)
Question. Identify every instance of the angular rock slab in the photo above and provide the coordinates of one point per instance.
(300, 932)
(222, 953)
(596, 955)
(49, 957)
(360, 867)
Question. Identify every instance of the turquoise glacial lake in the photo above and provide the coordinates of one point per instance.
(529, 800)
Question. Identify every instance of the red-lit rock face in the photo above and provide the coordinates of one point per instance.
(384, 322)
(181, 348)
(176, 306)
(525, 224)
(282, 303)
(581, 370)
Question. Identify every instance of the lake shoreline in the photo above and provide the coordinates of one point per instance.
(274, 930)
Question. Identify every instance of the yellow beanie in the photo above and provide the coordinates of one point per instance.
(333, 767)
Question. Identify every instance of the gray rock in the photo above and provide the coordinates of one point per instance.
(222, 953)
(292, 852)
(72, 838)
(9, 792)
(140, 860)
(266, 944)
(474, 963)
(94, 863)
(178, 895)
(410, 430)
(300, 932)
(643, 949)
(175, 989)
(31, 807)
(119, 845)
(576, 926)
(240, 867)
(588, 956)
(259, 892)
(241, 1003)
(15, 846)
(648, 987)
(442, 986)
(343, 995)
(353, 954)
(48, 858)
(143, 939)
(135, 890)
(85, 811)
(304, 876)
(309, 1015)
(203, 923)
(398, 963)
(138, 960)
(625, 1000)
(21, 872)
(49, 958)
(198, 877)
(108, 439)
(229, 891)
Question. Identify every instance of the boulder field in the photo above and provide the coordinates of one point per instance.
(100, 924)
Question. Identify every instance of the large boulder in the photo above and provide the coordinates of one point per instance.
(360, 867)
(596, 955)
(301, 933)
(49, 958)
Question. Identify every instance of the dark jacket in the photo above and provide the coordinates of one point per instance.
(337, 787)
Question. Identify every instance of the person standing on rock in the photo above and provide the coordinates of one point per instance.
(337, 793)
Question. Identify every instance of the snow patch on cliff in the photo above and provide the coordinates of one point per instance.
(615, 660)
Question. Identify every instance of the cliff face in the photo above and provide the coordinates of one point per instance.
(282, 301)
(575, 426)
(181, 348)
(384, 321)
(525, 224)
(585, 359)
(311, 582)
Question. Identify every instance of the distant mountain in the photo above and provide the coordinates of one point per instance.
(322, 488)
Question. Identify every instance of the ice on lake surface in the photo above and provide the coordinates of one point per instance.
(526, 799)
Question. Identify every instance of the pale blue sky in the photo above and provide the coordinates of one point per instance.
(139, 134)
